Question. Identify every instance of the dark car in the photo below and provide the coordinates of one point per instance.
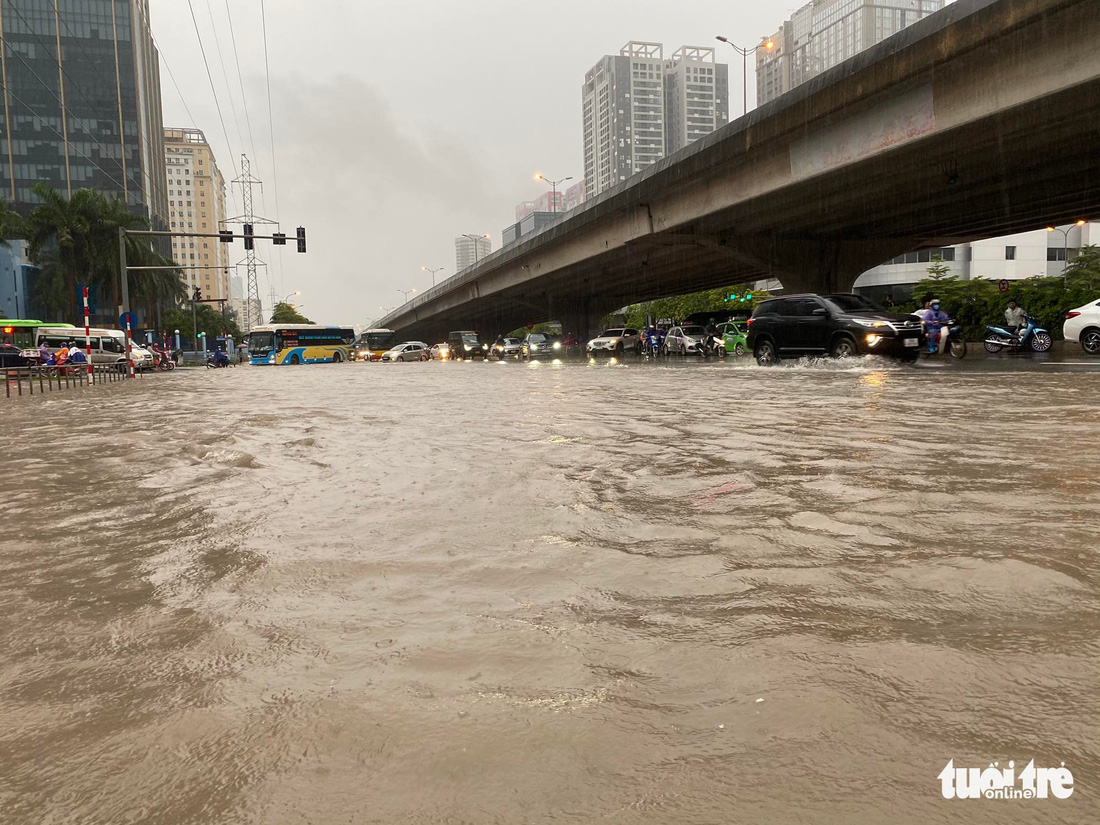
(11, 357)
(467, 344)
(838, 325)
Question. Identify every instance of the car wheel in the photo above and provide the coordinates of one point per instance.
(1090, 341)
(844, 347)
(766, 355)
(337, 357)
(294, 359)
(739, 349)
(1042, 342)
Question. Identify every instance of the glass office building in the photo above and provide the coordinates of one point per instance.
(82, 105)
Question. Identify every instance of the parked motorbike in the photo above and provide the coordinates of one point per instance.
(953, 345)
(1032, 336)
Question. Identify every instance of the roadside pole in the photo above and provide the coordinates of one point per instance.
(129, 346)
(88, 337)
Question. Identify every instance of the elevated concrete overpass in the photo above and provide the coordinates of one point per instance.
(983, 119)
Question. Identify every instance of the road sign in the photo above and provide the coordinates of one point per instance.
(127, 318)
(1003, 285)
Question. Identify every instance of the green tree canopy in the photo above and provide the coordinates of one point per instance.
(285, 313)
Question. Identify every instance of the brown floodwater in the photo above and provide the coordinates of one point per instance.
(480, 593)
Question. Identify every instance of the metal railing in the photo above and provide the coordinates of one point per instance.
(19, 381)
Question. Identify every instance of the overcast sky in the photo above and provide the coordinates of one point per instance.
(400, 124)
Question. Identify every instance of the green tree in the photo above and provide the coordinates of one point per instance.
(212, 322)
(75, 241)
(1084, 270)
(939, 269)
(285, 313)
(12, 225)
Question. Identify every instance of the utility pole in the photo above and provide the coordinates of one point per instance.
(253, 307)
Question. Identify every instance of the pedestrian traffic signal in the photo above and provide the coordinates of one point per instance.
(225, 235)
(248, 242)
(301, 239)
(278, 239)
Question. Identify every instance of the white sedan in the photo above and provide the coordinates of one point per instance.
(1083, 326)
(614, 341)
(409, 351)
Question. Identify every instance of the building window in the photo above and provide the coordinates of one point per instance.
(1010, 253)
(1056, 254)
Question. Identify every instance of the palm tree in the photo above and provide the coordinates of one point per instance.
(11, 224)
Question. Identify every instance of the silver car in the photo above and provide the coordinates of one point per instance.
(410, 351)
(685, 340)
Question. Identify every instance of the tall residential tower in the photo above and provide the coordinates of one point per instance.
(196, 202)
(639, 107)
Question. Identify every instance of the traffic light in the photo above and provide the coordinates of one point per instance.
(278, 239)
(248, 242)
(226, 235)
(197, 296)
(301, 239)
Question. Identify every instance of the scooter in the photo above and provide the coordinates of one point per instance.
(218, 360)
(714, 345)
(1031, 336)
(952, 341)
(164, 361)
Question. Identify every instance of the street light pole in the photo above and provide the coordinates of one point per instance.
(767, 46)
(475, 239)
(406, 293)
(433, 271)
(554, 186)
(1065, 244)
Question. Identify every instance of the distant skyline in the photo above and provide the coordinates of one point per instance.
(401, 125)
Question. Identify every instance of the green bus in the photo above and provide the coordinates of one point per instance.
(24, 333)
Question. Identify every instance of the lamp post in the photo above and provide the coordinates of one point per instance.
(554, 186)
(475, 239)
(294, 294)
(406, 293)
(433, 271)
(768, 45)
(1065, 243)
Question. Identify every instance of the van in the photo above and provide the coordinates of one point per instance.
(108, 346)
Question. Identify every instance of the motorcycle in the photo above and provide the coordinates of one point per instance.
(714, 345)
(164, 361)
(1031, 336)
(651, 348)
(218, 360)
(953, 345)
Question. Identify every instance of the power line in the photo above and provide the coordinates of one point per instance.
(271, 131)
(43, 121)
(213, 91)
(225, 74)
(240, 78)
(270, 117)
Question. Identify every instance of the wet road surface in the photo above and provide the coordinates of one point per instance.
(684, 593)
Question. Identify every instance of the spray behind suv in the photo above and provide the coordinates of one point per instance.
(839, 325)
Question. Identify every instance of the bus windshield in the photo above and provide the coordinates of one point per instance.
(381, 340)
(261, 343)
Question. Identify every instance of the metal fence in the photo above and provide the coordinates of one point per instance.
(29, 380)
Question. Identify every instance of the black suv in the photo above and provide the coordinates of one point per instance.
(467, 344)
(837, 325)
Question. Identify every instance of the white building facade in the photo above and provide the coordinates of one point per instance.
(470, 250)
(1011, 257)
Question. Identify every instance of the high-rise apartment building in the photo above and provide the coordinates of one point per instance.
(196, 203)
(546, 202)
(82, 107)
(824, 33)
(696, 96)
(639, 107)
(576, 194)
(469, 249)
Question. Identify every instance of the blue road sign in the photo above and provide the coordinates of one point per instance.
(127, 318)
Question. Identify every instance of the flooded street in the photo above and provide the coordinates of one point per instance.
(508, 593)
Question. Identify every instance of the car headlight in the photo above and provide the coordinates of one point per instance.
(485, 346)
(873, 339)
(557, 345)
(467, 347)
(871, 324)
(534, 347)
